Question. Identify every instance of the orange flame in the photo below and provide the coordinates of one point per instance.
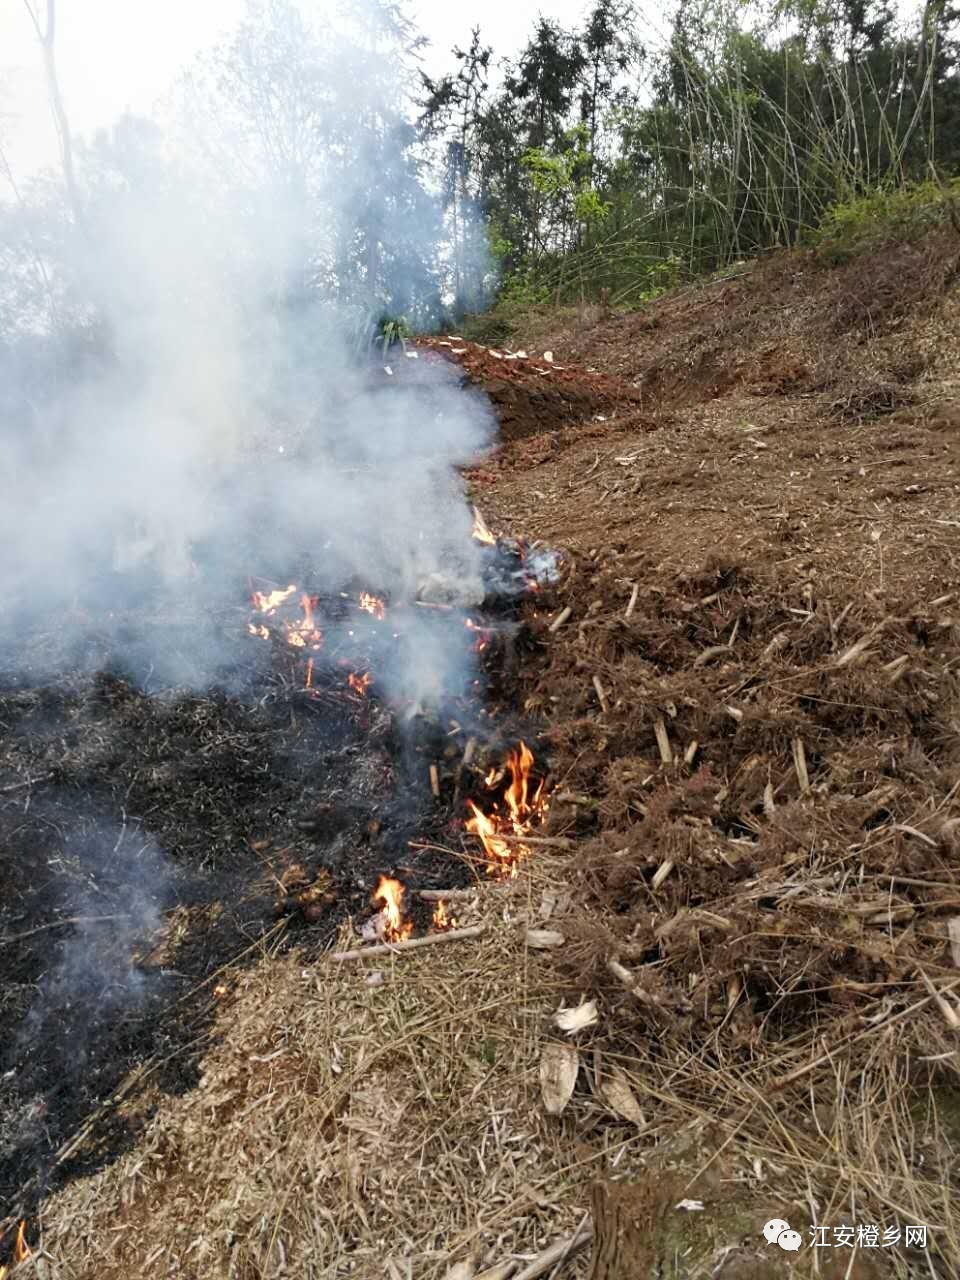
(481, 530)
(300, 634)
(392, 893)
(523, 809)
(261, 631)
(442, 920)
(360, 684)
(482, 635)
(270, 601)
(21, 1251)
(372, 604)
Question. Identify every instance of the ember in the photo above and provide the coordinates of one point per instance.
(502, 830)
(391, 893)
(482, 635)
(372, 604)
(21, 1252)
(360, 684)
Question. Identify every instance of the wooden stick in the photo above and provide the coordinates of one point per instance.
(435, 781)
(575, 797)
(410, 944)
(601, 695)
(560, 619)
(663, 742)
(633, 602)
(707, 655)
(559, 1252)
(800, 764)
(27, 782)
(445, 895)
(545, 842)
(838, 621)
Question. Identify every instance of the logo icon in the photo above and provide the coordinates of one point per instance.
(778, 1231)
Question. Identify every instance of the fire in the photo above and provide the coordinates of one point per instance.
(392, 893)
(21, 1251)
(521, 808)
(442, 920)
(372, 604)
(270, 601)
(301, 633)
(482, 635)
(481, 530)
(360, 684)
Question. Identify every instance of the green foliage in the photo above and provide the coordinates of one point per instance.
(866, 222)
(393, 331)
(662, 275)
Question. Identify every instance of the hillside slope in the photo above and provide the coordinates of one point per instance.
(748, 686)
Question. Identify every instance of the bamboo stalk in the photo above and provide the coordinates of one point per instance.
(445, 895)
(409, 944)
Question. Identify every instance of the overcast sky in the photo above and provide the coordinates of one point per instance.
(119, 54)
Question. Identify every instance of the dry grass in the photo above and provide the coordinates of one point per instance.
(346, 1128)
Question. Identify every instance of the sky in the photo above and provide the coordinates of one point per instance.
(114, 55)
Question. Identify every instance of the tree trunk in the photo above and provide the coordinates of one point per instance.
(624, 1231)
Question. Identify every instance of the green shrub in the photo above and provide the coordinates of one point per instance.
(866, 222)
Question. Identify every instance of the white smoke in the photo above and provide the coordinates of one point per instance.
(204, 407)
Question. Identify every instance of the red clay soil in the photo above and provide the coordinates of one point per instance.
(534, 394)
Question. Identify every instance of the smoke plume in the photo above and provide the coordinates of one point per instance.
(209, 402)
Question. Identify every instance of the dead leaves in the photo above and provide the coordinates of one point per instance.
(559, 1067)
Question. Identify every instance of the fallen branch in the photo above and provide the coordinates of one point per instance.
(445, 895)
(557, 1253)
(410, 944)
(560, 619)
